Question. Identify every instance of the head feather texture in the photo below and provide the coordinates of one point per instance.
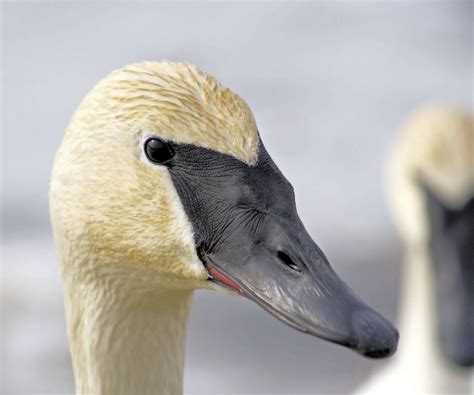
(178, 102)
(108, 205)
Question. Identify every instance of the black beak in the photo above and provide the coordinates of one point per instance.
(250, 238)
(452, 252)
(289, 276)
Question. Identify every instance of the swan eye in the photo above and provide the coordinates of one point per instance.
(157, 151)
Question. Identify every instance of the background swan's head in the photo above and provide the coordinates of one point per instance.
(432, 198)
(434, 149)
(162, 168)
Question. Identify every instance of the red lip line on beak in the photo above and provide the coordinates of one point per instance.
(223, 279)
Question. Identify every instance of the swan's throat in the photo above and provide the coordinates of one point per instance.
(125, 337)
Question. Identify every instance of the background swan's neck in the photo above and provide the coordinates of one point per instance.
(419, 354)
(125, 338)
(418, 367)
(417, 321)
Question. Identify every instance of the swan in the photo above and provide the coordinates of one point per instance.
(162, 186)
(431, 193)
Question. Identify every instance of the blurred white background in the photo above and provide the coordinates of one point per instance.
(329, 83)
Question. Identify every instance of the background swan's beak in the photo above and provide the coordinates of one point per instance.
(289, 276)
(452, 253)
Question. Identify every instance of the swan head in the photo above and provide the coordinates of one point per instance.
(162, 169)
(431, 175)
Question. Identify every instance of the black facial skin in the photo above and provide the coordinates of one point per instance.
(452, 252)
(250, 238)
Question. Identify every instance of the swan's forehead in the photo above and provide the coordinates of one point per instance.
(177, 102)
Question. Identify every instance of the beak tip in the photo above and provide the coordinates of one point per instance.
(376, 337)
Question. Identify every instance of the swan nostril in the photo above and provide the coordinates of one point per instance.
(288, 261)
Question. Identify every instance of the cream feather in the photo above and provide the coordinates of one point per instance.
(118, 207)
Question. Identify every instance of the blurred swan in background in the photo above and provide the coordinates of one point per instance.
(431, 193)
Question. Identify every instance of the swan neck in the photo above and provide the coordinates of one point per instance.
(126, 338)
(419, 353)
(418, 322)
